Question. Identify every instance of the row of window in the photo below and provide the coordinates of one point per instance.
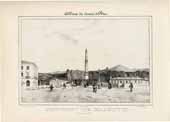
(129, 81)
(27, 67)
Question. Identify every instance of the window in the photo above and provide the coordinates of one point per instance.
(22, 74)
(22, 67)
(28, 67)
(28, 74)
(27, 83)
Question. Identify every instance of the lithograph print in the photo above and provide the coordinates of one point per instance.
(85, 60)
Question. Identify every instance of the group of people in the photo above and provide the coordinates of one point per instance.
(95, 87)
(110, 86)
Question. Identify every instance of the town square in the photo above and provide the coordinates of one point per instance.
(85, 60)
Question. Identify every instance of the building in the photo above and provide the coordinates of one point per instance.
(57, 83)
(29, 75)
(125, 81)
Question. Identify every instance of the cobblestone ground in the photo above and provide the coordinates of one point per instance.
(86, 95)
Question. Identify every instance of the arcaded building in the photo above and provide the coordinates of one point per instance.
(29, 74)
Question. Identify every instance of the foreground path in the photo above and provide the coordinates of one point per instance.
(85, 95)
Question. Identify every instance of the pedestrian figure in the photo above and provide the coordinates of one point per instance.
(51, 87)
(94, 88)
(64, 85)
(85, 85)
(99, 86)
(72, 85)
(109, 86)
(131, 87)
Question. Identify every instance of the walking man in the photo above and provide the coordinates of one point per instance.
(94, 88)
(64, 85)
(131, 87)
(51, 87)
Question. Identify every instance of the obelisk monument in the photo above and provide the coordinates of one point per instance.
(86, 76)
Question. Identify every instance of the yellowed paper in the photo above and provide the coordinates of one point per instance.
(62, 22)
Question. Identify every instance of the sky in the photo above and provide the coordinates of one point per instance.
(57, 44)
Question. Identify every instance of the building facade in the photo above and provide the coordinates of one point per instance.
(29, 75)
(125, 81)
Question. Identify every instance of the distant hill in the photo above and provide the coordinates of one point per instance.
(121, 68)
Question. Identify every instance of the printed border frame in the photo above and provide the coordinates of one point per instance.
(150, 31)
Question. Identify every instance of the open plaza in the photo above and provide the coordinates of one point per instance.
(80, 94)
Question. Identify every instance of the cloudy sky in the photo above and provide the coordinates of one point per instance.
(57, 44)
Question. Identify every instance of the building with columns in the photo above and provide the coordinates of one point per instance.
(125, 81)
